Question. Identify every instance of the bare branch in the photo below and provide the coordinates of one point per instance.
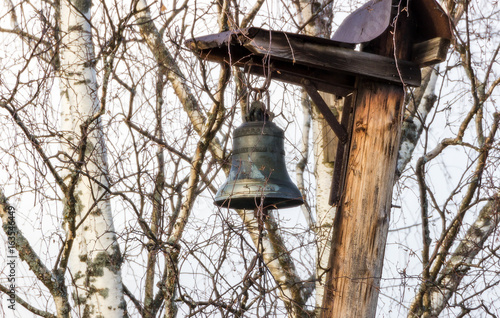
(174, 75)
(461, 260)
(53, 281)
(449, 236)
(26, 305)
(250, 16)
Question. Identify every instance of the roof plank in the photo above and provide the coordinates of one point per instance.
(306, 55)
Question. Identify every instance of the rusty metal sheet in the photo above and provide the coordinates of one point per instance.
(372, 19)
(366, 23)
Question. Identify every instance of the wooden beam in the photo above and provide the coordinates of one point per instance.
(362, 219)
(295, 51)
(279, 45)
(329, 140)
(338, 84)
(430, 52)
(339, 130)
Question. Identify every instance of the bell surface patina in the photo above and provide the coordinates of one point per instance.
(258, 172)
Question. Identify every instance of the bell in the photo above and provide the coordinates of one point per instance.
(258, 174)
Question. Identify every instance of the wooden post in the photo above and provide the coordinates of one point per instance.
(362, 219)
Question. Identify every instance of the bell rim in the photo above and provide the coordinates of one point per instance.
(231, 195)
(252, 202)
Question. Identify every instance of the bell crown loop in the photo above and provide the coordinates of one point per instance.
(258, 112)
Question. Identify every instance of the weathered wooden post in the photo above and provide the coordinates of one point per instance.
(373, 82)
(362, 220)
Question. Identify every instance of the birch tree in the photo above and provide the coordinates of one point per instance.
(94, 255)
(115, 138)
(89, 254)
(315, 19)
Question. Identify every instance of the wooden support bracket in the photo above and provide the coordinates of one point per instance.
(342, 130)
(342, 157)
(330, 118)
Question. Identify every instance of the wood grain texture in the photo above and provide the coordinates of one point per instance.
(330, 140)
(430, 52)
(362, 218)
(294, 52)
(334, 59)
(327, 113)
(362, 221)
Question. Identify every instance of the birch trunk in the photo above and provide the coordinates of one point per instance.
(95, 259)
(315, 18)
(323, 171)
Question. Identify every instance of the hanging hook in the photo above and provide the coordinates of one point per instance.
(257, 110)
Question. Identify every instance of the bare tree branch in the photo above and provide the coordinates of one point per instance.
(174, 75)
(26, 305)
(462, 258)
(53, 281)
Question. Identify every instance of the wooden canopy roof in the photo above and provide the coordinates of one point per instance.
(293, 58)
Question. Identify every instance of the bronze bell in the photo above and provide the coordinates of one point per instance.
(258, 172)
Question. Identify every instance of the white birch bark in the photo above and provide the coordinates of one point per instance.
(95, 258)
(419, 109)
(323, 172)
(278, 261)
(317, 15)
